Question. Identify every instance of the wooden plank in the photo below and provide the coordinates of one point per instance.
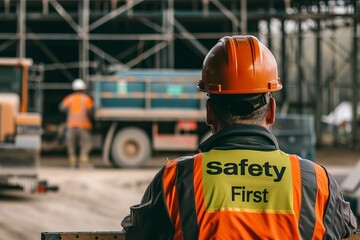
(109, 235)
(101, 235)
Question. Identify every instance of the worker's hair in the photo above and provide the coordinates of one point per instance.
(233, 109)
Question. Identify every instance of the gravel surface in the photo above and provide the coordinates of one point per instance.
(88, 199)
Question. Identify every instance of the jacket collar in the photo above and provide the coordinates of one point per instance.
(243, 136)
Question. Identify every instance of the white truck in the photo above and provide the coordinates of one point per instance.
(142, 111)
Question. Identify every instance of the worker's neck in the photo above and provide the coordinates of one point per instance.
(218, 127)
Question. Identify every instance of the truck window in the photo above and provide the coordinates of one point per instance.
(10, 79)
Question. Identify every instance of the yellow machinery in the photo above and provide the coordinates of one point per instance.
(20, 130)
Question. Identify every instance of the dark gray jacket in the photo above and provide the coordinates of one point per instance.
(150, 219)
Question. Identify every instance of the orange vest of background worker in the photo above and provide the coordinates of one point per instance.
(78, 107)
(241, 185)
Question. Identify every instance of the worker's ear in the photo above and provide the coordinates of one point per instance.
(210, 115)
(209, 112)
(270, 116)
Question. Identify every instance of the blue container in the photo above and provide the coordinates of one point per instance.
(296, 135)
(154, 89)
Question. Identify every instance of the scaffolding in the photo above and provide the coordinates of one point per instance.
(315, 42)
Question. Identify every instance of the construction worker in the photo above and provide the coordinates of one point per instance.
(241, 185)
(78, 107)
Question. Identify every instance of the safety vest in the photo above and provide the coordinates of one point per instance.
(248, 194)
(78, 105)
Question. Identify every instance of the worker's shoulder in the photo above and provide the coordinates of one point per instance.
(78, 96)
(80, 93)
(181, 160)
(186, 158)
(319, 169)
(71, 95)
(305, 161)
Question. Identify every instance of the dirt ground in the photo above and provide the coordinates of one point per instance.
(337, 157)
(97, 198)
(88, 200)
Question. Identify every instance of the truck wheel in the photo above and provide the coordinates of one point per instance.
(130, 148)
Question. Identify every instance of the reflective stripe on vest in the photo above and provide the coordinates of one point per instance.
(171, 197)
(185, 188)
(194, 210)
(308, 199)
(330, 210)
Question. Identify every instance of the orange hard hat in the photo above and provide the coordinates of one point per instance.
(239, 65)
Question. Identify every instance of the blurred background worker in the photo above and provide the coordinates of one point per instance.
(241, 185)
(78, 107)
